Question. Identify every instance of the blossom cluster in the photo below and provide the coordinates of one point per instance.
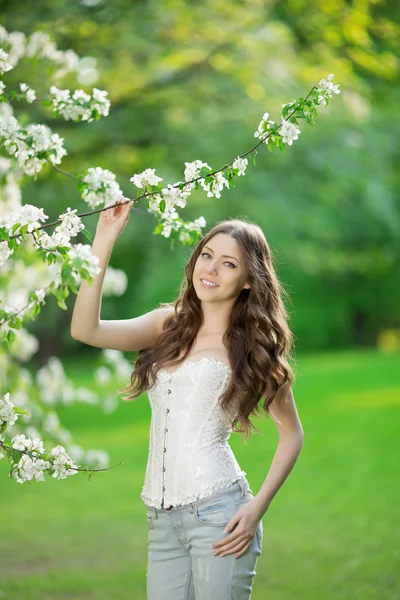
(145, 179)
(55, 387)
(98, 186)
(173, 195)
(79, 106)
(288, 131)
(4, 65)
(71, 225)
(7, 413)
(28, 215)
(240, 164)
(326, 88)
(86, 260)
(34, 461)
(37, 45)
(28, 92)
(33, 146)
(264, 127)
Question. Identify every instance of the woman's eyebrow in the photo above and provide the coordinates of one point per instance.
(224, 255)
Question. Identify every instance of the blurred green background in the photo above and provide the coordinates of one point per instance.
(191, 81)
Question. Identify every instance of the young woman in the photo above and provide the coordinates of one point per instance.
(206, 360)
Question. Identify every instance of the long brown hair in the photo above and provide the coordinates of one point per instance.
(258, 338)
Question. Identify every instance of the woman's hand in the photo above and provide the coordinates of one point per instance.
(112, 221)
(244, 525)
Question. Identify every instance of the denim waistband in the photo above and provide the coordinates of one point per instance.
(241, 485)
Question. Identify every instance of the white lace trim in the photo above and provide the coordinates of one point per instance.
(208, 491)
(188, 363)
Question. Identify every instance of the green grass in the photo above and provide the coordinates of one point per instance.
(332, 531)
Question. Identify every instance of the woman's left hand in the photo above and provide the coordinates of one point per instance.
(244, 525)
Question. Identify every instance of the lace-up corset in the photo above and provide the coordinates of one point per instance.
(189, 454)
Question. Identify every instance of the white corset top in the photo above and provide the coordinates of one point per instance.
(189, 454)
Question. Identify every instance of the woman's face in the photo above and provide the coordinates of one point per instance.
(221, 262)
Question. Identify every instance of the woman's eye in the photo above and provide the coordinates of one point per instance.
(229, 263)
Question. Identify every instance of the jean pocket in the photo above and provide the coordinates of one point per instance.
(242, 500)
(217, 513)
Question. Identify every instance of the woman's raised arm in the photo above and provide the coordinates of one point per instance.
(86, 325)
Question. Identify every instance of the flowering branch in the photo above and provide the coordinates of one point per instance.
(34, 146)
(99, 185)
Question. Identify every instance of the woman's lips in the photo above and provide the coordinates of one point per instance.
(209, 287)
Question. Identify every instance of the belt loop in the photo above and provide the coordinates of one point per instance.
(191, 509)
(242, 487)
(155, 513)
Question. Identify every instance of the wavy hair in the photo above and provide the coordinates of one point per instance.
(258, 339)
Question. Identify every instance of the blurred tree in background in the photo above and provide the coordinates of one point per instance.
(190, 81)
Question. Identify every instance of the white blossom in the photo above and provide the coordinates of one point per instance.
(326, 88)
(4, 65)
(39, 44)
(71, 224)
(264, 127)
(184, 236)
(7, 413)
(192, 171)
(28, 91)
(60, 462)
(37, 445)
(173, 195)
(57, 238)
(146, 178)
(115, 282)
(40, 138)
(16, 41)
(101, 187)
(79, 105)
(84, 253)
(215, 187)
(53, 384)
(5, 252)
(29, 468)
(199, 223)
(102, 375)
(241, 164)
(39, 466)
(28, 214)
(25, 345)
(30, 96)
(21, 442)
(289, 132)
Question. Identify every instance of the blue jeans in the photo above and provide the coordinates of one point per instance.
(181, 564)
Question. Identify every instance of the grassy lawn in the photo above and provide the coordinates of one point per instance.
(331, 533)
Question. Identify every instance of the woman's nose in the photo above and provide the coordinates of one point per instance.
(212, 268)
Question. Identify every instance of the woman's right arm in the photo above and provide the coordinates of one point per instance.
(86, 325)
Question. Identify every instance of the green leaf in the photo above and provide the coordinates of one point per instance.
(87, 234)
(20, 411)
(61, 303)
(10, 336)
(162, 205)
(158, 229)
